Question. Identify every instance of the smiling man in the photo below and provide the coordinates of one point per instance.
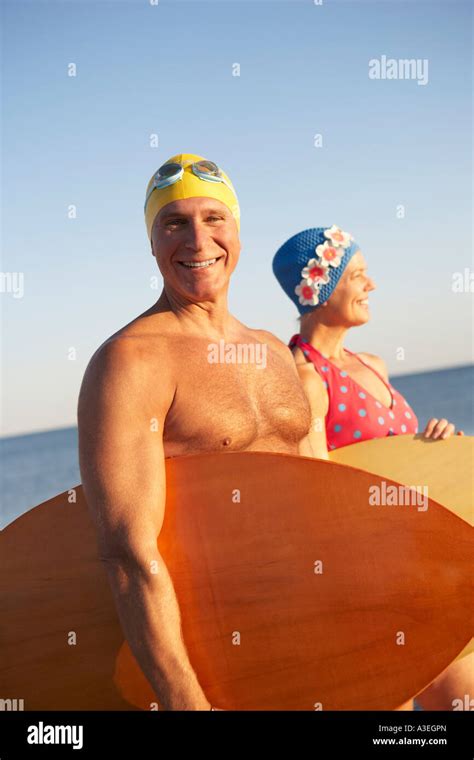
(151, 391)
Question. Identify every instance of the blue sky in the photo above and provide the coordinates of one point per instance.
(166, 69)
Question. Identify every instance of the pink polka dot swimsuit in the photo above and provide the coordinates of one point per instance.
(354, 415)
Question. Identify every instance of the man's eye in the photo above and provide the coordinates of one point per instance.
(213, 218)
(174, 222)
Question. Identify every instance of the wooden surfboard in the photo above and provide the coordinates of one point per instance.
(295, 592)
(446, 468)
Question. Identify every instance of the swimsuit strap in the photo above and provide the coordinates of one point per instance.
(372, 368)
(310, 351)
(306, 348)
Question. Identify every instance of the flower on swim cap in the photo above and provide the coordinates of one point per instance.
(189, 185)
(310, 264)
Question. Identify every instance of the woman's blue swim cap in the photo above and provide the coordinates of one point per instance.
(310, 264)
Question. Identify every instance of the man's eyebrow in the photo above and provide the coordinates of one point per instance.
(170, 215)
(181, 214)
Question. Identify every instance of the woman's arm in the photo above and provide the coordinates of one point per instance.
(314, 444)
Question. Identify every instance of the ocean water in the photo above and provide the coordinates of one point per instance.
(445, 393)
(38, 466)
(34, 468)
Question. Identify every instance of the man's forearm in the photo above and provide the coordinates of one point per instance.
(150, 618)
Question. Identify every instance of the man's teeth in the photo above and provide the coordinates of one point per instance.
(364, 303)
(195, 264)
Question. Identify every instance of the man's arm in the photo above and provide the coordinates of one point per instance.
(123, 474)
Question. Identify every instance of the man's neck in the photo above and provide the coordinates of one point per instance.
(206, 318)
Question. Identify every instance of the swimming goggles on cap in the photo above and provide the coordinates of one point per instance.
(168, 174)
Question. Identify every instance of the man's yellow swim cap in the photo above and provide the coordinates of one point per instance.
(189, 186)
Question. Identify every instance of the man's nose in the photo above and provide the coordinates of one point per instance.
(370, 284)
(195, 236)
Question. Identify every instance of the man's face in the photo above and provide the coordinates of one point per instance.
(195, 231)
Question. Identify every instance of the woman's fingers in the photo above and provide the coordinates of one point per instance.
(448, 431)
(430, 425)
(436, 429)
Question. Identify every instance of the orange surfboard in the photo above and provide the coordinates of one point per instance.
(295, 592)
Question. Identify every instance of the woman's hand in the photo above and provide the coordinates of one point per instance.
(439, 429)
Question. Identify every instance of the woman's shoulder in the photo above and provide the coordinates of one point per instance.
(306, 354)
(315, 389)
(298, 356)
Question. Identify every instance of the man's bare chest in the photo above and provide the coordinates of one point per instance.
(234, 404)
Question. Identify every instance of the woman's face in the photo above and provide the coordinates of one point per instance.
(349, 303)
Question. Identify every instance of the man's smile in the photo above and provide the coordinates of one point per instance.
(205, 264)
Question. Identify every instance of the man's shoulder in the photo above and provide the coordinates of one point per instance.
(123, 350)
(267, 337)
(127, 375)
(137, 341)
(113, 367)
(129, 356)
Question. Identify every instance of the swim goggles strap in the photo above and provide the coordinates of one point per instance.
(170, 173)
